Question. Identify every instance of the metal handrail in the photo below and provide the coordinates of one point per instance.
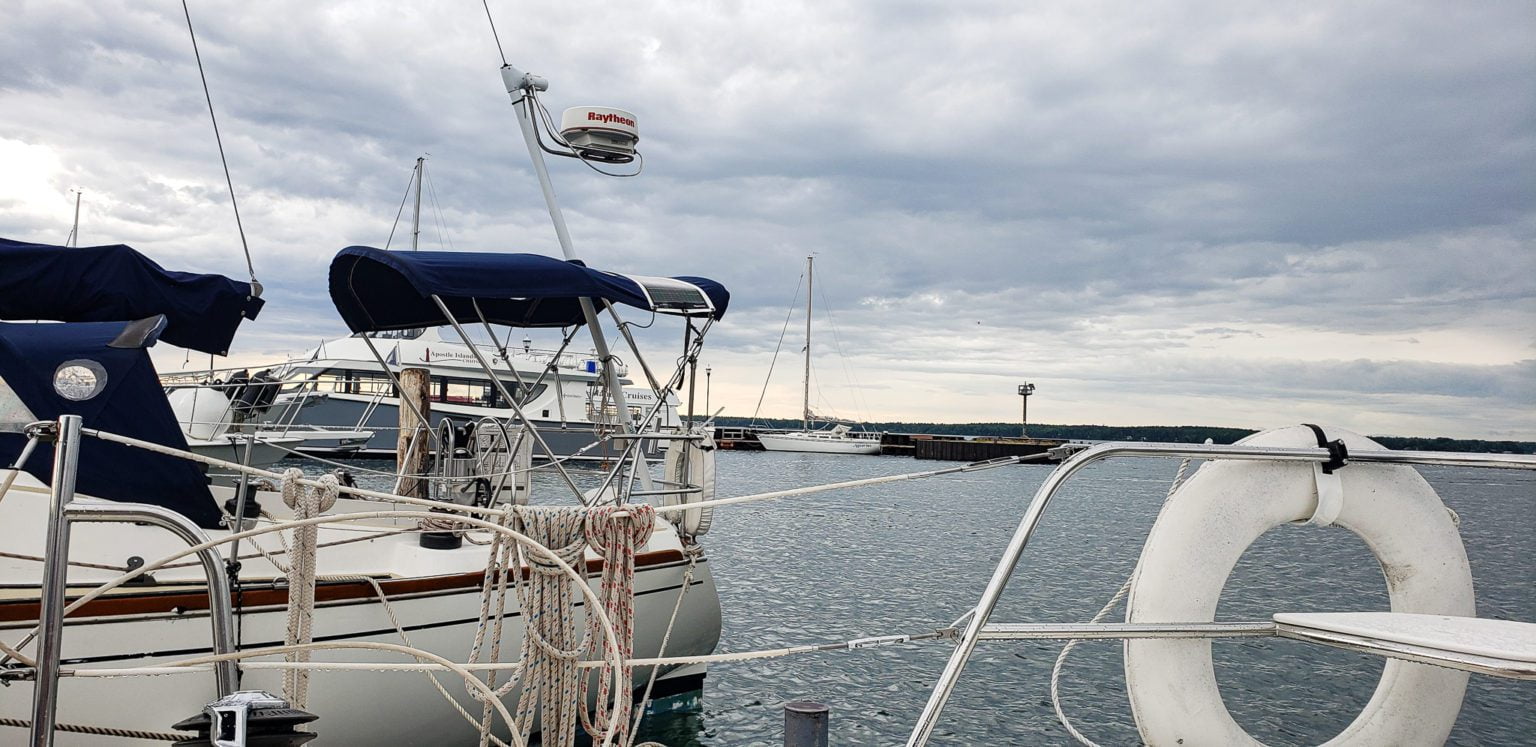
(62, 512)
(977, 625)
(220, 612)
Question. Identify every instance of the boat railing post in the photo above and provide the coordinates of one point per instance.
(45, 691)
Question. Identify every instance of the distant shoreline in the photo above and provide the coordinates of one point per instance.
(1168, 433)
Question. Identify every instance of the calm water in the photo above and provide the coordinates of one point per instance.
(912, 556)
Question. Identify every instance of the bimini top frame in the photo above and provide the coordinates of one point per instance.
(977, 619)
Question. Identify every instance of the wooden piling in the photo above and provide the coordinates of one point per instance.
(413, 445)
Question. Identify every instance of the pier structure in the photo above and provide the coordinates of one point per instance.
(954, 448)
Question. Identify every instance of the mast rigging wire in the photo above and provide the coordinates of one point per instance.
(776, 348)
(494, 35)
(401, 211)
(251, 268)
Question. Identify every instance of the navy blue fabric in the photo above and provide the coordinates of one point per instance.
(116, 283)
(377, 290)
(132, 403)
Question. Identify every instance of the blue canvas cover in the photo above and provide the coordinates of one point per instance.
(131, 403)
(377, 290)
(116, 283)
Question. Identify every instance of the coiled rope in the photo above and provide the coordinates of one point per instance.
(306, 504)
(550, 651)
(614, 532)
(500, 568)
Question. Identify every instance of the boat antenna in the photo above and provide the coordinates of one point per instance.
(251, 268)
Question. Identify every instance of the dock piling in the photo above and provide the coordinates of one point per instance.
(805, 724)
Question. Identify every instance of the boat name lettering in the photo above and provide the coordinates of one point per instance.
(430, 355)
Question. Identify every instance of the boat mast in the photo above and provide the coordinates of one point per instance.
(806, 400)
(74, 231)
(416, 215)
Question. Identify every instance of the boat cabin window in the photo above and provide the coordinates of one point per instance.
(296, 381)
(445, 389)
(393, 334)
(478, 392)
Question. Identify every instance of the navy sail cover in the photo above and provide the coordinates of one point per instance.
(376, 290)
(116, 283)
(130, 402)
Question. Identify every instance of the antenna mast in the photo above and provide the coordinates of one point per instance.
(522, 87)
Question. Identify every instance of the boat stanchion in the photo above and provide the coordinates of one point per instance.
(805, 724)
(50, 623)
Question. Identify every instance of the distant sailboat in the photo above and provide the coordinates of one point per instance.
(839, 439)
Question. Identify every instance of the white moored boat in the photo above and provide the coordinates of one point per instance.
(840, 438)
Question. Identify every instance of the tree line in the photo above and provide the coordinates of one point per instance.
(1164, 433)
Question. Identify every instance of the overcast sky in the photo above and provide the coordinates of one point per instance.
(1165, 212)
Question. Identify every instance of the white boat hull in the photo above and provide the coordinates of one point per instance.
(818, 443)
(265, 452)
(435, 595)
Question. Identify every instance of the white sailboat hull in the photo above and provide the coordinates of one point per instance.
(817, 442)
(435, 595)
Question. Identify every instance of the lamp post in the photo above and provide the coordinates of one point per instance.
(1025, 390)
(707, 371)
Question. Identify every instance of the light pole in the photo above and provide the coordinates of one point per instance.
(1025, 390)
(707, 371)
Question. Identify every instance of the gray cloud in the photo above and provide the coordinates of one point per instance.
(1092, 191)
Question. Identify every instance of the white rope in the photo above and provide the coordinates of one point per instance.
(10, 479)
(306, 504)
(972, 467)
(258, 472)
(500, 569)
(200, 665)
(1061, 659)
(615, 532)
(550, 648)
(492, 512)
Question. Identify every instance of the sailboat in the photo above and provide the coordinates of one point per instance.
(840, 438)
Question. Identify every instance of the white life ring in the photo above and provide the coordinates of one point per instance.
(1208, 524)
(692, 463)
